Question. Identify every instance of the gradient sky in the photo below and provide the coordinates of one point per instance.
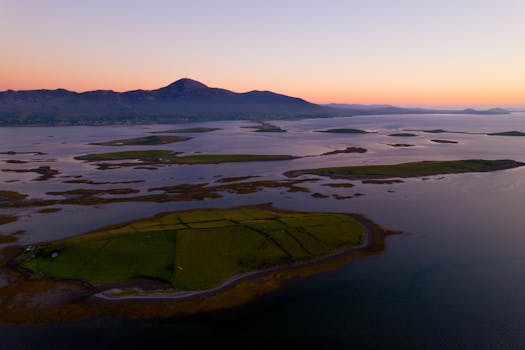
(409, 52)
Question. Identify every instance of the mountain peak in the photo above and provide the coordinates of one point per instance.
(186, 84)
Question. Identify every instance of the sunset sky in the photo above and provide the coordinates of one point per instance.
(407, 52)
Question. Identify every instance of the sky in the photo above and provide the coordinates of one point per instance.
(405, 52)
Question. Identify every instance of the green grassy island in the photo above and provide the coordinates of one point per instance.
(196, 249)
(415, 169)
(169, 157)
(144, 141)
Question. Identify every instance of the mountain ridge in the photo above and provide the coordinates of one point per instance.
(183, 100)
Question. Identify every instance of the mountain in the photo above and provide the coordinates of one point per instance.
(183, 100)
(357, 109)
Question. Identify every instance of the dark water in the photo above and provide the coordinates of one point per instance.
(455, 279)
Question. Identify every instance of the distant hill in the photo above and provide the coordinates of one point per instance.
(357, 109)
(183, 100)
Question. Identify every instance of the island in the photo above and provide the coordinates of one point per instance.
(11, 196)
(45, 172)
(170, 247)
(186, 130)
(346, 150)
(434, 131)
(431, 131)
(150, 155)
(153, 157)
(503, 133)
(399, 145)
(91, 192)
(143, 141)
(265, 127)
(6, 219)
(402, 134)
(443, 141)
(339, 185)
(204, 260)
(14, 153)
(415, 169)
(507, 133)
(345, 131)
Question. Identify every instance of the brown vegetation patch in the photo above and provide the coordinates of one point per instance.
(6, 219)
(45, 172)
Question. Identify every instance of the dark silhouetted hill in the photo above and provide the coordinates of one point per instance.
(183, 100)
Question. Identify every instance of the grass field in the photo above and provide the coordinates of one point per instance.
(144, 141)
(424, 168)
(196, 249)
